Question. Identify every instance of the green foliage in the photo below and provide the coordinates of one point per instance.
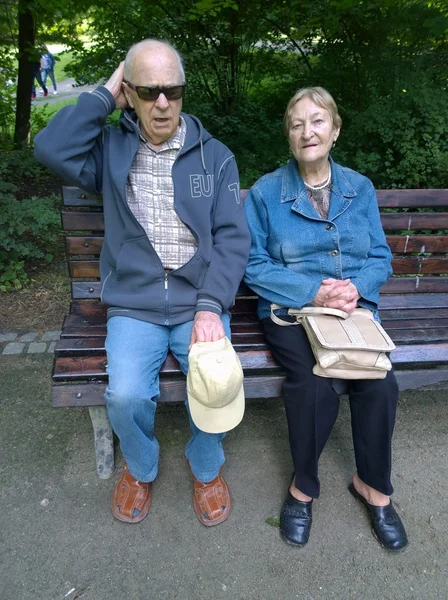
(8, 74)
(29, 231)
(245, 58)
(12, 272)
(62, 60)
(257, 142)
(400, 141)
(16, 165)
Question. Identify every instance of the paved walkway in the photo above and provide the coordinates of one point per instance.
(66, 90)
(31, 342)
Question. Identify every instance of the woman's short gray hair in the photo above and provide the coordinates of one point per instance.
(321, 97)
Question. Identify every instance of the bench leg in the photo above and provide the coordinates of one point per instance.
(104, 441)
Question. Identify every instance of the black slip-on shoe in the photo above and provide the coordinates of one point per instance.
(295, 521)
(387, 526)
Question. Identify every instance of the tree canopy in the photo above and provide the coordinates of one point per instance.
(384, 61)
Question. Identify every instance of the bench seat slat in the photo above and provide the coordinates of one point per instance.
(429, 330)
(401, 330)
(426, 332)
(92, 394)
(418, 323)
(94, 367)
(260, 386)
(88, 367)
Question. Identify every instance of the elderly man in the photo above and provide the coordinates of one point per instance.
(175, 248)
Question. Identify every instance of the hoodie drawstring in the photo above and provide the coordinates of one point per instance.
(202, 157)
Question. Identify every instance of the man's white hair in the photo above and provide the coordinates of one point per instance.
(135, 49)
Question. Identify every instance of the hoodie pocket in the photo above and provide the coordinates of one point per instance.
(137, 264)
(194, 271)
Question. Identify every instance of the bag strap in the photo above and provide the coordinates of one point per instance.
(307, 311)
(279, 321)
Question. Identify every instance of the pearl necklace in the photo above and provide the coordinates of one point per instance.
(318, 187)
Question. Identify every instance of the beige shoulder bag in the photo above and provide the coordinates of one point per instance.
(345, 346)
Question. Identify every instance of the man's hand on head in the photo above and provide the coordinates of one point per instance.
(114, 85)
(207, 327)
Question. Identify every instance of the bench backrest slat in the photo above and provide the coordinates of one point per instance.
(419, 265)
(78, 245)
(74, 196)
(407, 221)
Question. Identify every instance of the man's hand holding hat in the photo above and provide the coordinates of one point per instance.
(207, 327)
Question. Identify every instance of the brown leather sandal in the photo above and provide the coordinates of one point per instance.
(211, 500)
(131, 499)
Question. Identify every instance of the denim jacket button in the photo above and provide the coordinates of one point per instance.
(328, 227)
(335, 252)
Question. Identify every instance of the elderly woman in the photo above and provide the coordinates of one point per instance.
(317, 240)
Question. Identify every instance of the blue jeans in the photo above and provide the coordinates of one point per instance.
(50, 73)
(37, 75)
(136, 351)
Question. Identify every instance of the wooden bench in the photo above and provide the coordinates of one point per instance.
(413, 307)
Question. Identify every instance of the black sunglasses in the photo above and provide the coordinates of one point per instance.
(150, 94)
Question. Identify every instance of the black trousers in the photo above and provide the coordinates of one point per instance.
(312, 407)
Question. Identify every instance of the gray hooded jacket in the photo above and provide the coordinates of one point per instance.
(79, 147)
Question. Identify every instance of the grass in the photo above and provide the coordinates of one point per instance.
(47, 109)
(59, 68)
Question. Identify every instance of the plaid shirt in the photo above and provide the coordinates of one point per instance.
(150, 195)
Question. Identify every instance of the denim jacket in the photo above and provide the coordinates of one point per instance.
(293, 249)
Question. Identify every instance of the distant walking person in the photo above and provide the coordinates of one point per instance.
(47, 63)
(37, 75)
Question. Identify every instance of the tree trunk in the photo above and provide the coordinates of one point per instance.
(25, 78)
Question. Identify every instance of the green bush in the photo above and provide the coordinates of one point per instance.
(18, 164)
(8, 74)
(399, 141)
(29, 231)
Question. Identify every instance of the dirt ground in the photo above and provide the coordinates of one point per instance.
(41, 305)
